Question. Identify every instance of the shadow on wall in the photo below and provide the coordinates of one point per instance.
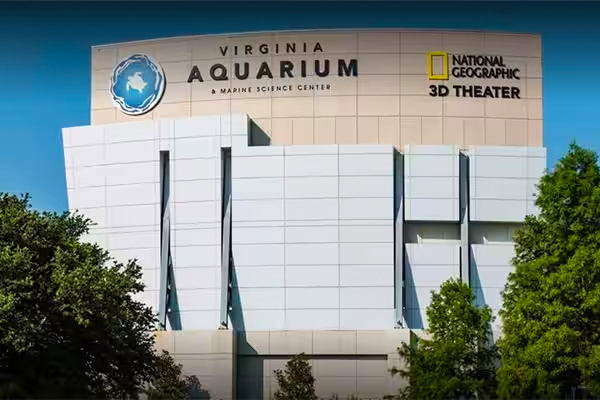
(475, 281)
(258, 137)
(174, 316)
(249, 366)
(414, 319)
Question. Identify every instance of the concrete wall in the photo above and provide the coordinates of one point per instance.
(241, 365)
(344, 363)
(388, 102)
(208, 355)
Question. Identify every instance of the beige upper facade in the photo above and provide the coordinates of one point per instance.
(378, 88)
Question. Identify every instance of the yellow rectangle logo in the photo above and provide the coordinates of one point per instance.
(434, 71)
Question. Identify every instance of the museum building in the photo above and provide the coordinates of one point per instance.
(305, 191)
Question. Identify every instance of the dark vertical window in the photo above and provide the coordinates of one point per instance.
(226, 260)
(165, 238)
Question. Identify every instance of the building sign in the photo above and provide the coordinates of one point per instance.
(284, 69)
(137, 84)
(442, 66)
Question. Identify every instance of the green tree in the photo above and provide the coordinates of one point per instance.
(458, 359)
(296, 382)
(69, 326)
(170, 384)
(551, 303)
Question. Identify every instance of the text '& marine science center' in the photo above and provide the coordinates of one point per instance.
(291, 192)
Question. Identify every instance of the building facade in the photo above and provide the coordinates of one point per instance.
(306, 191)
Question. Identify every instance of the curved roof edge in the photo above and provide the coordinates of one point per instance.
(236, 34)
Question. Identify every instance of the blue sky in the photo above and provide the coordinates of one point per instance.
(45, 62)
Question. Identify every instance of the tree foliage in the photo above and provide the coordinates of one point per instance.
(551, 303)
(170, 384)
(296, 382)
(458, 360)
(69, 326)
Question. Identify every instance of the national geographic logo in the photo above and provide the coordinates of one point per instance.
(441, 66)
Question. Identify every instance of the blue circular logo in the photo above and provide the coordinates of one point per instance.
(137, 84)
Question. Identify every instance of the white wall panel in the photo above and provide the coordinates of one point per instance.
(197, 256)
(132, 194)
(257, 210)
(130, 152)
(199, 320)
(262, 320)
(198, 299)
(260, 298)
(367, 297)
(86, 156)
(132, 215)
(312, 254)
(196, 168)
(311, 234)
(194, 127)
(94, 135)
(258, 188)
(369, 275)
(121, 160)
(311, 209)
(92, 197)
(312, 275)
(428, 265)
(132, 240)
(201, 190)
(199, 147)
(431, 183)
(260, 277)
(257, 167)
(316, 200)
(196, 277)
(366, 234)
(258, 254)
(375, 209)
(312, 298)
(98, 215)
(311, 187)
(89, 177)
(124, 132)
(311, 165)
(132, 173)
(312, 319)
(503, 182)
(366, 186)
(197, 212)
(378, 319)
(197, 237)
(313, 226)
(258, 235)
(365, 164)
